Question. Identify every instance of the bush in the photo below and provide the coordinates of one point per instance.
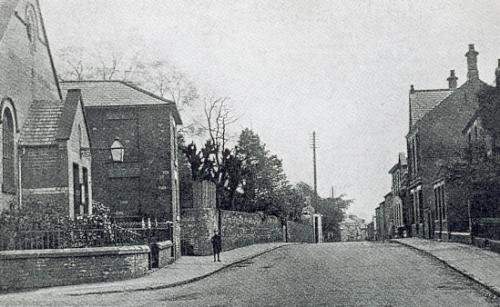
(44, 225)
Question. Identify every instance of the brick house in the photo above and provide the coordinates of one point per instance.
(482, 133)
(51, 158)
(400, 200)
(146, 183)
(35, 121)
(382, 220)
(437, 118)
(388, 216)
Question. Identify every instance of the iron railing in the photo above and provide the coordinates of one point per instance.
(79, 238)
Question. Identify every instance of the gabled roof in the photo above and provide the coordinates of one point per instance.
(73, 101)
(42, 124)
(103, 93)
(423, 101)
(467, 92)
(7, 8)
(401, 162)
(50, 121)
(488, 111)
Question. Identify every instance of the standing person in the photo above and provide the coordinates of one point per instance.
(217, 245)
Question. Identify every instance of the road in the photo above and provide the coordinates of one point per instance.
(333, 274)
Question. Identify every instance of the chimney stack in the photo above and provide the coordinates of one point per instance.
(452, 80)
(472, 72)
(497, 74)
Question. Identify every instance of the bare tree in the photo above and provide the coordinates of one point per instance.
(166, 80)
(73, 64)
(103, 63)
(218, 117)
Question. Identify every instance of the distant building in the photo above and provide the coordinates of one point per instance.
(353, 228)
(400, 204)
(379, 222)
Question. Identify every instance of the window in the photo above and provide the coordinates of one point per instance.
(31, 25)
(86, 200)
(420, 205)
(439, 199)
(9, 185)
(413, 146)
(77, 190)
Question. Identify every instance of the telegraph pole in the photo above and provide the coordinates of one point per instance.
(315, 173)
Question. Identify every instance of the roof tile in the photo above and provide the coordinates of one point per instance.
(423, 101)
(42, 123)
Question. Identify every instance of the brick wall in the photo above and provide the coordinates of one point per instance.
(42, 167)
(46, 268)
(26, 74)
(142, 184)
(299, 232)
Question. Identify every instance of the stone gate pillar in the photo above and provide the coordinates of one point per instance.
(199, 222)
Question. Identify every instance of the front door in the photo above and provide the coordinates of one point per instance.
(430, 222)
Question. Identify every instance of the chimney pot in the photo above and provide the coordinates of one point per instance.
(452, 80)
(472, 72)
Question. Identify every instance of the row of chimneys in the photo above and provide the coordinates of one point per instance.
(472, 71)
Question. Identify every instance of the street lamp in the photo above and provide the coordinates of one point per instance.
(117, 150)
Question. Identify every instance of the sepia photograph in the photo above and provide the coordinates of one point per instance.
(249, 153)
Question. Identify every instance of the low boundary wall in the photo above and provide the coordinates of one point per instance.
(165, 253)
(299, 232)
(57, 267)
(243, 228)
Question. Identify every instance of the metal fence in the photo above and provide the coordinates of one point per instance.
(80, 238)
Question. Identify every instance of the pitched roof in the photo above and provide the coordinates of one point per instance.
(103, 93)
(7, 8)
(423, 101)
(488, 111)
(42, 123)
(73, 99)
(50, 121)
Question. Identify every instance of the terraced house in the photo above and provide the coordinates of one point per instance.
(434, 144)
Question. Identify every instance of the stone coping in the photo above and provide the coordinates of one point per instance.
(164, 244)
(74, 252)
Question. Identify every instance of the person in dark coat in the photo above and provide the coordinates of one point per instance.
(217, 245)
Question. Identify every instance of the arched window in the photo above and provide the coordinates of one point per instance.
(8, 163)
(31, 25)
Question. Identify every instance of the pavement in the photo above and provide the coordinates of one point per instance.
(480, 265)
(185, 270)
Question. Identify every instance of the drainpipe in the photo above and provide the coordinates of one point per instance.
(470, 218)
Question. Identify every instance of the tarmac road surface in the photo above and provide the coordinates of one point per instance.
(330, 274)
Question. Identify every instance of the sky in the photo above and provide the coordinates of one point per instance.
(340, 68)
